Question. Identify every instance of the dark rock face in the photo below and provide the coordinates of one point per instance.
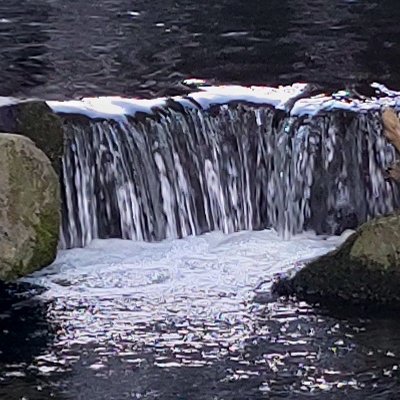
(29, 207)
(365, 270)
(34, 119)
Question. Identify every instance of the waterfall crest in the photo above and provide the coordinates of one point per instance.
(195, 165)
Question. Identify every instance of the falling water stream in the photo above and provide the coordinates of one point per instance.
(177, 215)
(227, 159)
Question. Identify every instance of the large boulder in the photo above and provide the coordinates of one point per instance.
(365, 270)
(29, 207)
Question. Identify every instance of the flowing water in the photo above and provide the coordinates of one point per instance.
(224, 158)
(67, 48)
(179, 211)
(188, 318)
(161, 288)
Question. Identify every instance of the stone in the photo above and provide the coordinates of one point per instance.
(365, 270)
(35, 119)
(29, 207)
(391, 129)
(393, 172)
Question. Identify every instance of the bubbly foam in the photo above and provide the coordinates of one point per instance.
(209, 279)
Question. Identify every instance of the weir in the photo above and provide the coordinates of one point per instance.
(225, 159)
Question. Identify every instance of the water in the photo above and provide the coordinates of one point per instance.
(193, 318)
(176, 312)
(190, 319)
(226, 159)
(68, 49)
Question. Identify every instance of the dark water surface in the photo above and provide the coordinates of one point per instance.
(297, 354)
(70, 48)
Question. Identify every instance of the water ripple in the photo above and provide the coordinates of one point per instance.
(158, 311)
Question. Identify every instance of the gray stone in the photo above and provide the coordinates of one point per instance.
(365, 270)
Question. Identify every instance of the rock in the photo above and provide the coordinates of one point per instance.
(37, 121)
(365, 270)
(29, 207)
(391, 128)
(393, 172)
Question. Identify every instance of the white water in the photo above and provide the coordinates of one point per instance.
(211, 262)
(240, 167)
(118, 108)
(115, 291)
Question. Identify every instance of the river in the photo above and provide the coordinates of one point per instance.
(181, 312)
(189, 319)
(62, 49)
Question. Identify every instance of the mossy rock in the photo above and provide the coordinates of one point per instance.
(29, 207)
(365, 270)
(36, 120)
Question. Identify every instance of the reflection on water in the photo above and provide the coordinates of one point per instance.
(25, 333)
(192, 319)
(68, 48)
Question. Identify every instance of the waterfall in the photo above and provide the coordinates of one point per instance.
(149, 170)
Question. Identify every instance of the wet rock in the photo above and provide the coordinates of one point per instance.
(37, 121)
(393, 172)
(364, 270)
(29, 207)
(391, 127)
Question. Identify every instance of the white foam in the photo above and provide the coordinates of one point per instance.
(276, 97)
(314, 105)
(106, 107)
(92, 109)
(118, 107)
(211, 263)
(8, 101)
(383, 89)
(191, 295)
(207, 96)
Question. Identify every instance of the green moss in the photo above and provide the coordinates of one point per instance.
(46, 232)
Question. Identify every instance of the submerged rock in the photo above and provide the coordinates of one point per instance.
(29, 207)
(365, 270)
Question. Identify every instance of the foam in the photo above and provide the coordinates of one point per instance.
(119, 107)
(210, 263)
(207, 96)
(106, 107)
